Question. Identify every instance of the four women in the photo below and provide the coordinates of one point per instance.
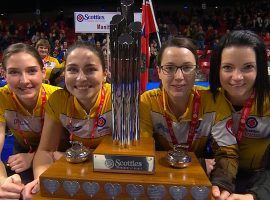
(236, 118)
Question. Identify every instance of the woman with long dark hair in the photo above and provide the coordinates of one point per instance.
(239, 74)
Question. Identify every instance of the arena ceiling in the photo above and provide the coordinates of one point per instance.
(45, 5)
(13, 6)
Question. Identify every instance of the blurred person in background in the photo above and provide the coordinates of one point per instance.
(43, 47)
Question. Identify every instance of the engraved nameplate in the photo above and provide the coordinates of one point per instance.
(123, 164)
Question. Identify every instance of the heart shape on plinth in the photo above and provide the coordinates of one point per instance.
(91, 188)
(112, 190)
(51, 185)
(156, 192)
(199, 193)
(71, 187)
(134, 191)
(178, 192)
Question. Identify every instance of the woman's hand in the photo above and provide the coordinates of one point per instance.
(20, 162)
(219, 194)
(30, 189)
(240, 197)
(11, 187)
(57, 155)
(210, 164)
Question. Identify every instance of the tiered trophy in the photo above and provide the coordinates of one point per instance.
(125, 166)
(125, 152)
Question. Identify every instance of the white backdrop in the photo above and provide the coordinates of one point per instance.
(96, 22)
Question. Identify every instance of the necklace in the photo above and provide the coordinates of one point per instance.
(244, 115)
(193, 123)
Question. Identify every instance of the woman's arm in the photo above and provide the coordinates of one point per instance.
(3, 174)
(10, 187)
(44, 157)
(50, 139)
(224, 173)
(258, 189)
(260, 185)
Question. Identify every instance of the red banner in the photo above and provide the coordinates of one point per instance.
(148, 26)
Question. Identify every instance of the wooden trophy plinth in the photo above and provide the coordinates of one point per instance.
(138, 158)
(64, 180)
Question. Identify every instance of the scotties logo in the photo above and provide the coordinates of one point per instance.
(252, 122)
(109, 163)
(80, 18)
(86, 17)
(101, 121)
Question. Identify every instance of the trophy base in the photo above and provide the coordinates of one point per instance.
(64, 180)
(138, 158)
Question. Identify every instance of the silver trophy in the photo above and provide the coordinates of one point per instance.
(125, 146)
(125, 38)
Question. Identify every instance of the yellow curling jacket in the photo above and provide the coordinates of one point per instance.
(256, 139)
(65, 109)
(153, 122)
(21, 123)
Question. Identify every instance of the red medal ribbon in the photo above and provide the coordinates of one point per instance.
(43, 101)
(97, 115)
(244, 115)
(193, 123)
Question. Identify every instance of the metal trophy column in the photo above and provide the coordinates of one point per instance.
(125, 38)
(125, 152)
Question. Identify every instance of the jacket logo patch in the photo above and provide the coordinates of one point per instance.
(101, 121)
(229, 124)
(252, 122)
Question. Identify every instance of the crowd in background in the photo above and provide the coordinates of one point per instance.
(243, 84)
(203, 26)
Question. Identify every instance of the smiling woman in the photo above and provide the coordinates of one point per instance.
(239, 75)
(22, 103)
(174, 113)
(83, 79)
(85, 110)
